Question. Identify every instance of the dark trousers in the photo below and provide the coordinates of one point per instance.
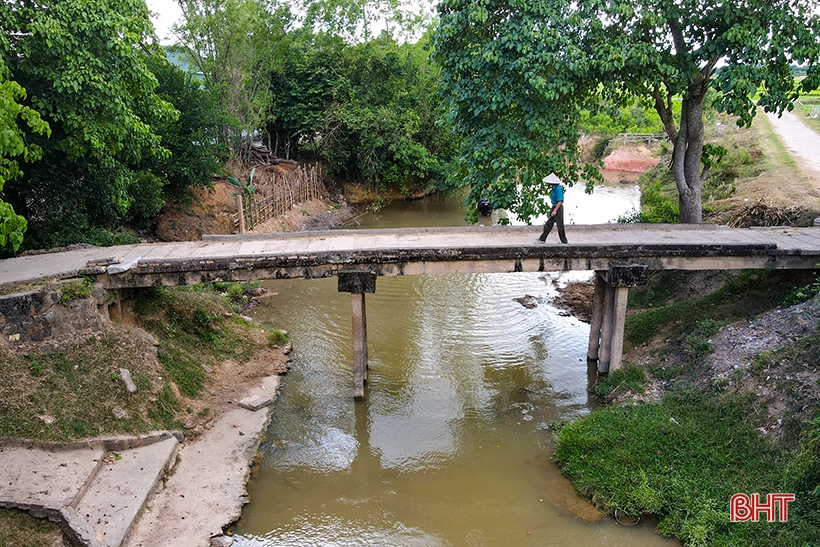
(557, 219)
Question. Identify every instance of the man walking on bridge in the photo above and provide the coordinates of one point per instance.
(557, 212)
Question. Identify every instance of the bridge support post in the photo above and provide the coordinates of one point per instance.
(597, 315)
(358, 284)
(606, 335)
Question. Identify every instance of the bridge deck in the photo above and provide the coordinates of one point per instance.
(424, 250)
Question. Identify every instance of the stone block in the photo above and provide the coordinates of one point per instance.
(125, 376)
(357, 282)
(628, 275)
(256, 402)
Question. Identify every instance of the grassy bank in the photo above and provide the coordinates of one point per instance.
(76, 391)
(681, 453)
(681, 459)
(756, 165)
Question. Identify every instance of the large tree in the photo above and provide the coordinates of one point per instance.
(517, 73)
(13, 149)
(83, 67)
(234, 45)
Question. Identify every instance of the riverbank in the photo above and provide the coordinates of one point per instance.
(741, 346)
(192, 359)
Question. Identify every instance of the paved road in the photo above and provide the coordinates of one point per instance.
(290, 255)
(802, 142)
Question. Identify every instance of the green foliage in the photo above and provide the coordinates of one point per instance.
(697, 343)
(277, 338)
(609, 119)
(84, 67)
(369, 110)
(234, 45)
(806, 292)
(656, 207)
(75, 289)
(13, 146)
(681, 460)
(515, 77)
(518, 76)
(354, 19)
(198, 149)
(247, 190)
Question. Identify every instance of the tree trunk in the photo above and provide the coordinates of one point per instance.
(686, 156)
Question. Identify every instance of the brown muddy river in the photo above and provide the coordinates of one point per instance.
(452, 446)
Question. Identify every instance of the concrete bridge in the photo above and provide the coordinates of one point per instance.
(621, 255)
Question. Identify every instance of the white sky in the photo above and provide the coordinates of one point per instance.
(164, 13)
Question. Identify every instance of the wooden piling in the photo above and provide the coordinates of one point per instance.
(359, 344)
(357, 283)
(241, 209)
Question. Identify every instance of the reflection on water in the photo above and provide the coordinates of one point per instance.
(609, 201)
(452, 445)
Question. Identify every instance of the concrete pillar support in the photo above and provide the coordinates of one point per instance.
(597, 315)
(358, 284)
(606, 334)
(607, 324)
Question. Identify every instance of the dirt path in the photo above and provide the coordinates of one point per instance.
(800, 140)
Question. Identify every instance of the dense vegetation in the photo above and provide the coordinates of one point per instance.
(366, 110)
(518, 76)
(99, 130)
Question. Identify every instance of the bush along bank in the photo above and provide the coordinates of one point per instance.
(685, 439)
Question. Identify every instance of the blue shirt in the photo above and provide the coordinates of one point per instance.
(556, 194)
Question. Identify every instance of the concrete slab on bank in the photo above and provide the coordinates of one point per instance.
(207, 488)
(95, 489)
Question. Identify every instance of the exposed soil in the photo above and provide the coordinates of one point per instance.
(785, 390)
(631, 159)
(576, 299)
(228, 383)
(209, 213)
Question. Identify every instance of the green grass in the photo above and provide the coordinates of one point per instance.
(681, 459)
(20, 529)
(76, 391)
(73, 393)
(197, 326)
(625, 380)
(744, 295)
(75, 289)
(777, 155)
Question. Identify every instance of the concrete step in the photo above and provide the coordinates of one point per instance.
(96, 487)
(116, 493)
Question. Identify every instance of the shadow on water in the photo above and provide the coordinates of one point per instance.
(452, 445)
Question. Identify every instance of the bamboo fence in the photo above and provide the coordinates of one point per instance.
(277, 192)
